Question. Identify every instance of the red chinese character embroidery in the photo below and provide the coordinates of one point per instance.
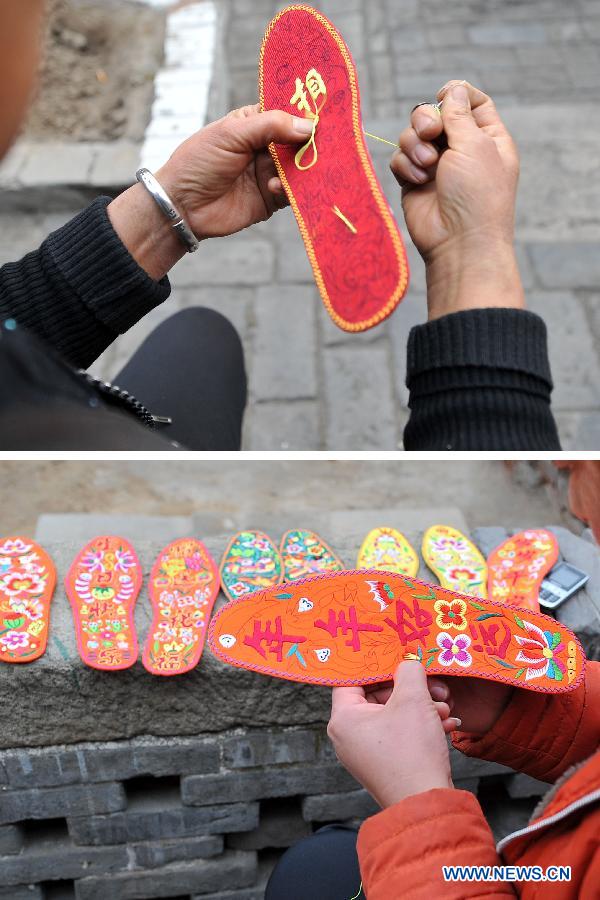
(488, 633)
(416, 630)
(274, 639)
(340, 623)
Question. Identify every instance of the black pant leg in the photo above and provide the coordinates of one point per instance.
(323, 866)
(191, 369)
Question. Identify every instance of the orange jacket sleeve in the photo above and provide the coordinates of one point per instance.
(542, 734)
(402, 850)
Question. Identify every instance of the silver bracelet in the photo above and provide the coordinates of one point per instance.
(165, 204)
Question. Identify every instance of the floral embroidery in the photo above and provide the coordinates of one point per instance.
(183, 587)
(102, 585)
(518, 566)
(388, 549)
(539, 651)
(250, 563)
(27, 580)
(454, 649)
(455, 560)
(304, 553)
(451, 614)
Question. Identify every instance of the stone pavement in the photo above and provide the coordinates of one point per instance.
(310, 383)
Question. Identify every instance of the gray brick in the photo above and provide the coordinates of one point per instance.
(507, 35)
(53, 163)
(161, 853)
(566, 265)
(233, 260)
(521, 785)
(11, 839)
(338, 807)
(51, 803)
(158, 758)
(233, 302)
(468, 767)
(42, 768)
(358, 399)
(21, 892)
(292, 262)
(283, 425)
(60, 859)
(281, 316)
(285, 782)
(467, 784)
(169, 822)
(278, 828)
(232, 870)
(268, 749)
(115, 164)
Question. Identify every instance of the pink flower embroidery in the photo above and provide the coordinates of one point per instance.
(21, 583)
(17, 546)
(454, 649)
(124, 560)
(93, 561)
(15, 640)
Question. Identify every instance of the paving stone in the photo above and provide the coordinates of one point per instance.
(573, 356)
(115, 164)
(58, 164)
(283, 425)
(283, 315)
(261, 748)
(232, 260)
(359, 404)
(13, 162)
(52, 803)
(172, 820)
(84, 527)
(566, 266)
(338, 807)
(231, 870)
(285, 782)
(507, 35)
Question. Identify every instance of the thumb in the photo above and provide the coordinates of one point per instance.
(410, 682)
(459, 124)
(256, 132)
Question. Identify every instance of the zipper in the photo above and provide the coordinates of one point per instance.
(561, 814)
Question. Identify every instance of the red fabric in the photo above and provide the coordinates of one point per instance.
(402, 849)
(363, 276)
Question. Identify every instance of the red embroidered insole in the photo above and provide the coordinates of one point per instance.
(349, 231)
(183, 587)
(27, 581)
(102, 585)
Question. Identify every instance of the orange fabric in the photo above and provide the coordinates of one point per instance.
(356, 627)
(518, 566)
(350, 234)
(402, 849)
(27, 582)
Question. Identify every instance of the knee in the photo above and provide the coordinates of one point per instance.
(201, 319)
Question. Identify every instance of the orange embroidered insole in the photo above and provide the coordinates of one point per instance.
(332, 630)
(349, 231)
(518, 566)
(27, 582)
(183, 587)
(455, 560)
(388, 550)
(102, 585)
(250, 563)
(305, 553)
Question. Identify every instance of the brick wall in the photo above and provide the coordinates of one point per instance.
(185, 817)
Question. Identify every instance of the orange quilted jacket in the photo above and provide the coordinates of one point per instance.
(549, 736)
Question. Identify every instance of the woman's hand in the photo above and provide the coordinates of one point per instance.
(460, 204)
(477, 702)
(396, 749)
(222, 179)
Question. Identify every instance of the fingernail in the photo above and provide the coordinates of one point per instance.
(418, 174)
(424, 154)
(304, 126)
(439, 692)
(460, 94)
(458, 722)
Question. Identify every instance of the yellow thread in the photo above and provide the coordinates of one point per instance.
(379, 198)
(383, 140)
(311, 142)
(345, 220)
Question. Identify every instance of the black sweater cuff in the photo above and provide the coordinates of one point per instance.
(97, 266)
(480, 380)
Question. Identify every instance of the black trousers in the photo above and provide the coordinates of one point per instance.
(323, 866)
(191, 369)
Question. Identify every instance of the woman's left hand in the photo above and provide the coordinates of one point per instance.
(223, 178)
(396, 749)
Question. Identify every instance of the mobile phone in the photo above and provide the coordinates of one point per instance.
(562, 582)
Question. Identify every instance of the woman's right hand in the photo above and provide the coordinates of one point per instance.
(478, 703)
(459, 204)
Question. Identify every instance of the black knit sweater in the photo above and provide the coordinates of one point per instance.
(478, 380)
